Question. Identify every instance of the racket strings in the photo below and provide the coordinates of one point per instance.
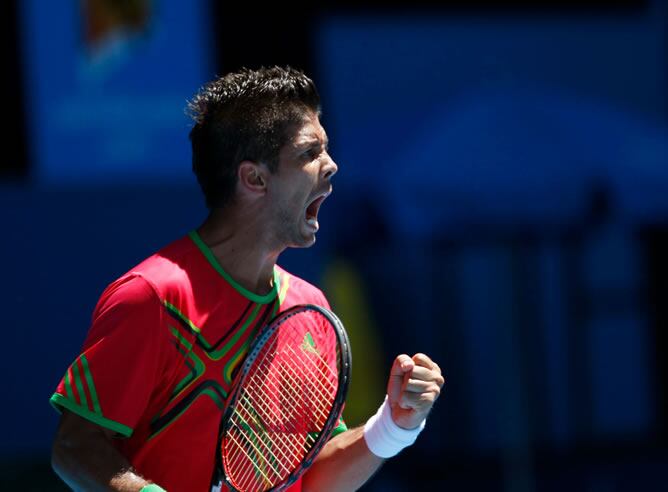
(276, 388)
(332, 376)
(256, 408)
(283, 406)
(279, 445)
(281, 458)
(268, 437)
(278, 422)
(246, 475)
(289, 368)
(299, 408)
(258, 453)
(322, 403)
(327, 377)
(275, 468)
(308, 404)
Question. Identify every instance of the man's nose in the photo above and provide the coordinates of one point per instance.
(330, 168)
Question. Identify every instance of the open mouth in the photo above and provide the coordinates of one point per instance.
(311, 214)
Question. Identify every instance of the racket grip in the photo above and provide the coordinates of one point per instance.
(383, 437)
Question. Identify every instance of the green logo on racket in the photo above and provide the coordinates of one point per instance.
(308, 345)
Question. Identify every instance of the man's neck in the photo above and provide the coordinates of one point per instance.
(238, 245)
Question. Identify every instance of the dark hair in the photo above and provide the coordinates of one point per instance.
(246, 115)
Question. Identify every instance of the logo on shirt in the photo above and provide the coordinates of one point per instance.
(308, 344)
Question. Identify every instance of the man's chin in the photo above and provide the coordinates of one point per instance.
(306, 243)
(307, 236)
(306, 240)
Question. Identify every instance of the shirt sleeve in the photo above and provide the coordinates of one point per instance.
(341, 427)
(122, 359)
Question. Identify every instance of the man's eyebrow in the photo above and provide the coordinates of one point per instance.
(312, 141)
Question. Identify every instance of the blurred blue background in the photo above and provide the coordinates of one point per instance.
(501, 204)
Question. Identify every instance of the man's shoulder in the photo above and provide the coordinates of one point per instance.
(168, 268)
(300, 291)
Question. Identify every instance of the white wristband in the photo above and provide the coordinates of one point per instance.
(385, 438)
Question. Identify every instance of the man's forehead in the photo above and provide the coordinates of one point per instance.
(310, 130)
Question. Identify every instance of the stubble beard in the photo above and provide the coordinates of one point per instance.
(290, 230)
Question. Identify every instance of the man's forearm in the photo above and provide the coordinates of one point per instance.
(105, 469)
(85, 458)
(344, 464)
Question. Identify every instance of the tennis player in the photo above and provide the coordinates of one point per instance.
(141, 405)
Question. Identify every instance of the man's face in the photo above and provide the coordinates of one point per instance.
(301, 184)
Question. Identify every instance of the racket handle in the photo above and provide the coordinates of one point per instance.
(383, 437)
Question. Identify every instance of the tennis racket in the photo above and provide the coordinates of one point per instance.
(287, 398)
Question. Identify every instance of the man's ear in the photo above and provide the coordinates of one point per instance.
(253, 177)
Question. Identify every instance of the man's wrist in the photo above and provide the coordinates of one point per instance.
(384, 437)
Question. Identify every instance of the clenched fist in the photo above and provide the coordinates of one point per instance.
(412, 388)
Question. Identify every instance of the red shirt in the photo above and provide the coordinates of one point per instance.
(159, 359)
